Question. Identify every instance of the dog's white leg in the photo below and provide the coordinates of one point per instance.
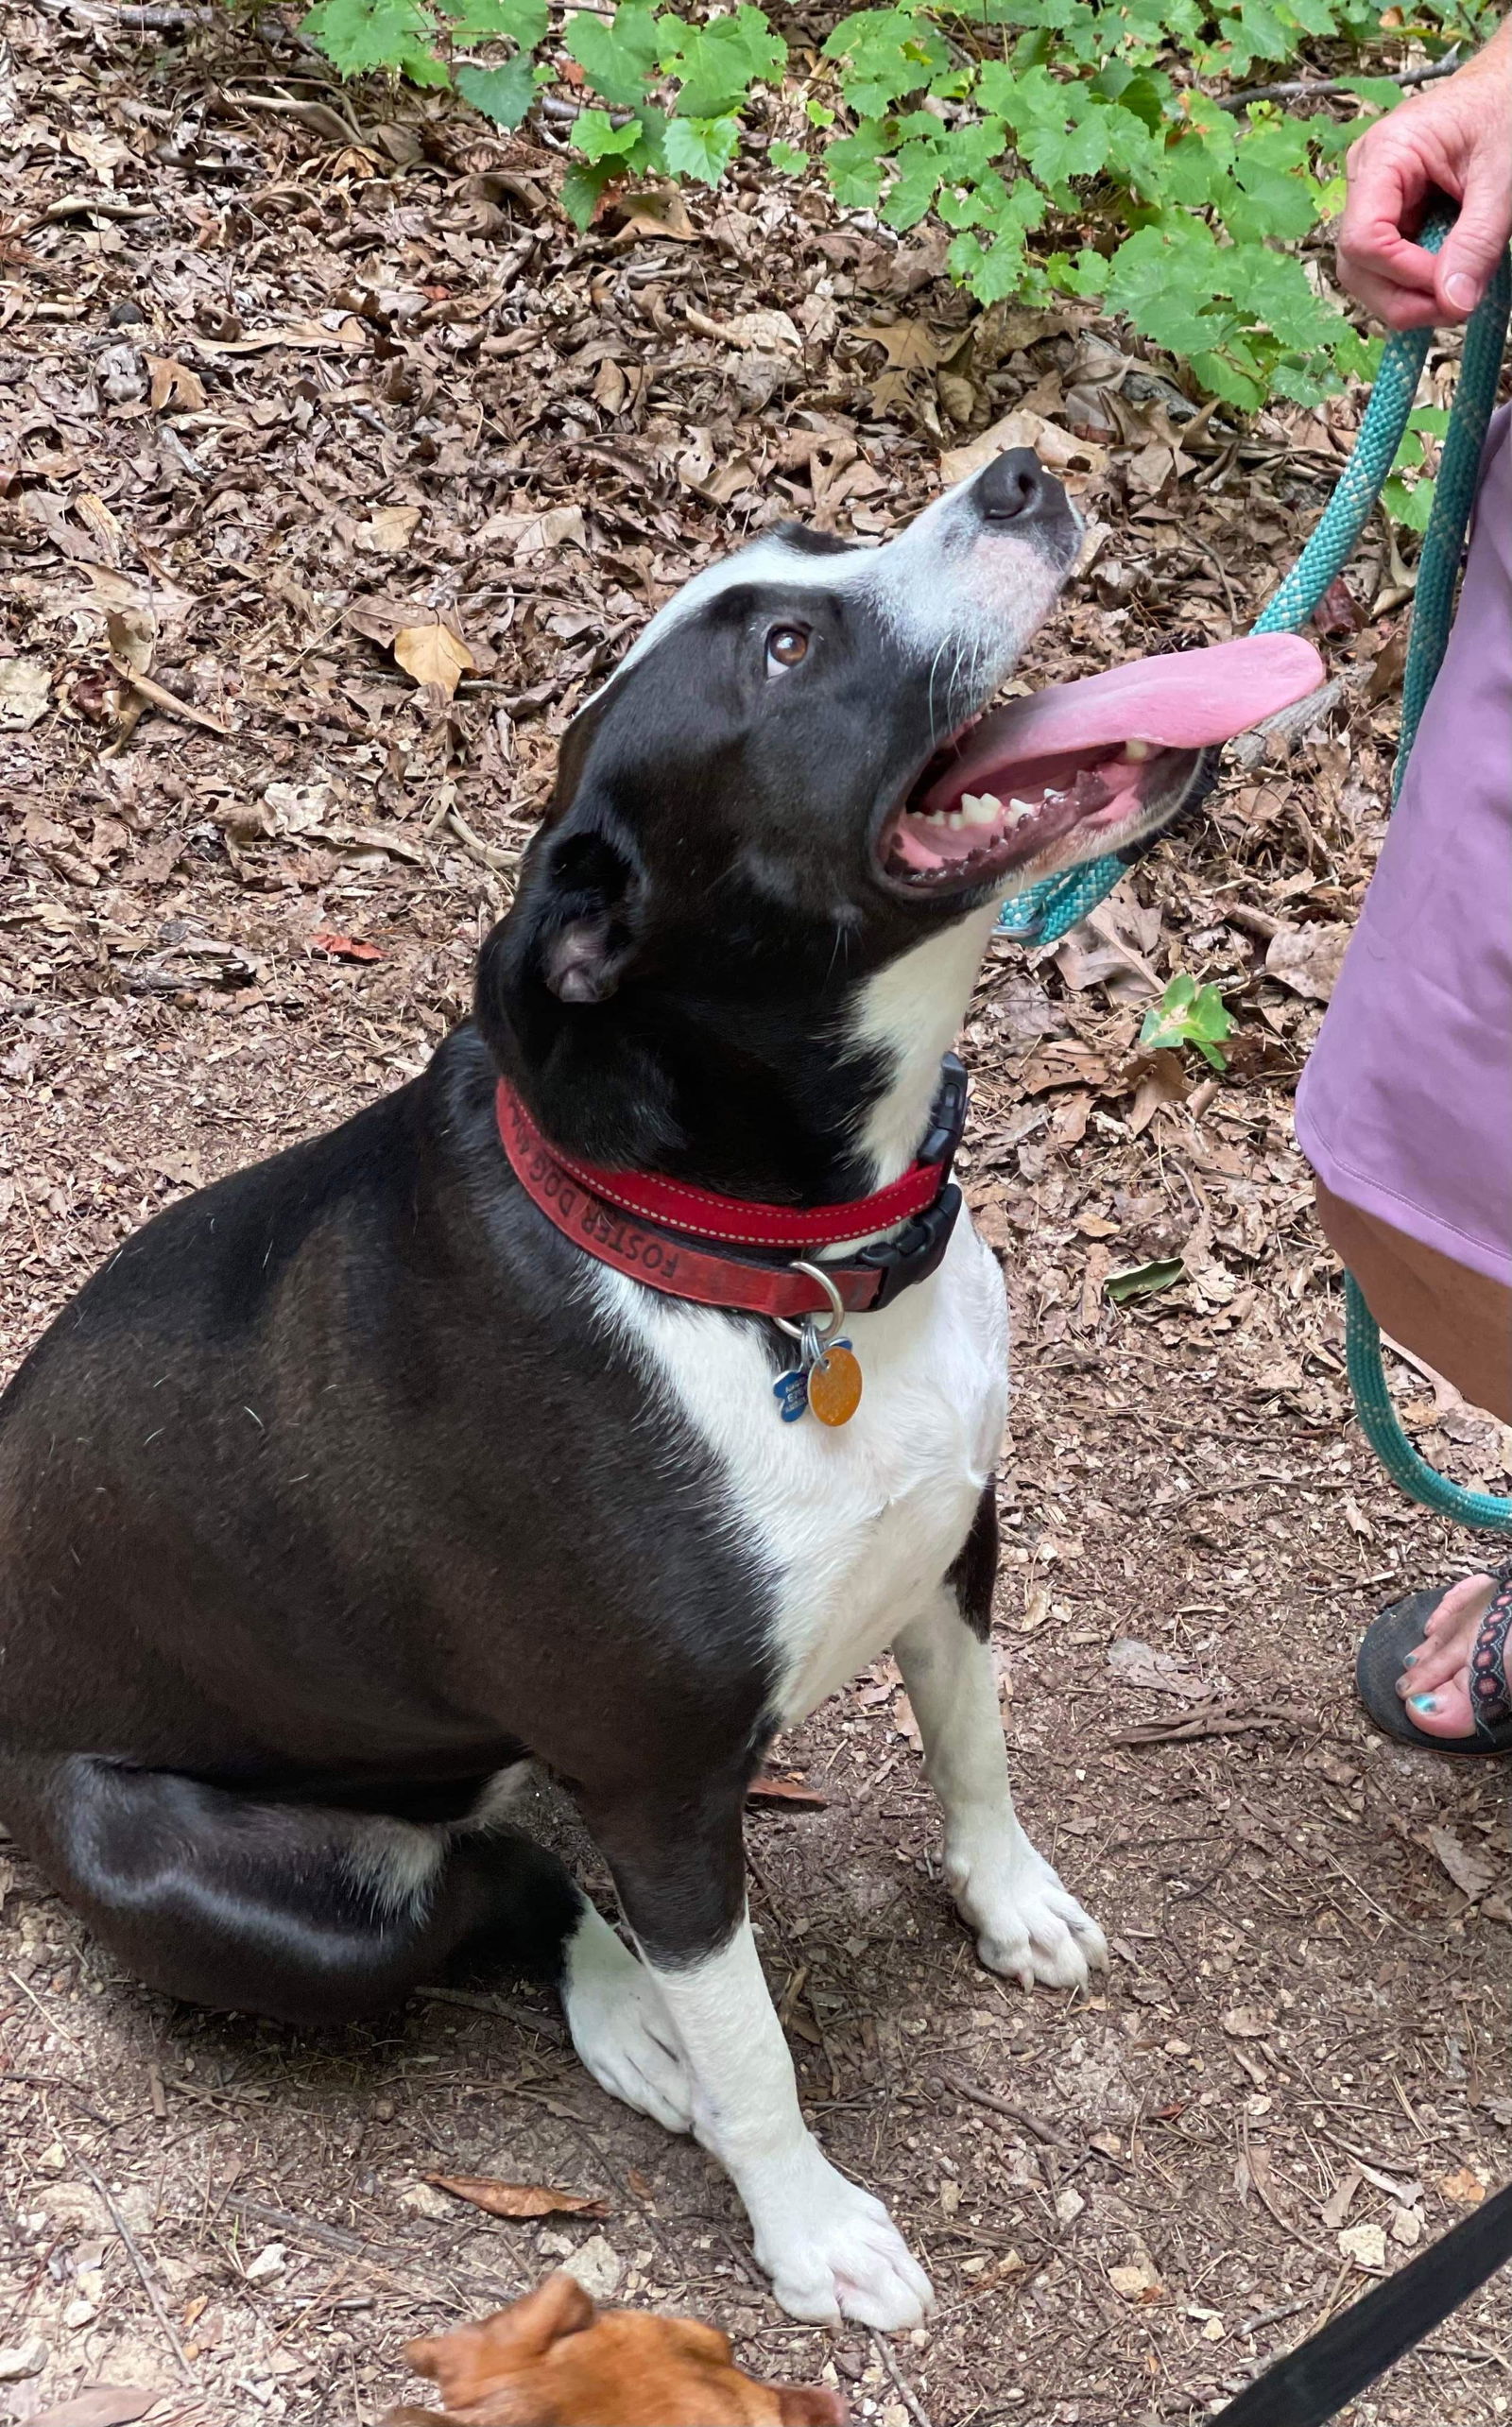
(620, 2025)
(831, 2250)
(1027, 1924)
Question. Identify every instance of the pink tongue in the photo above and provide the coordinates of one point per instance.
(1183, 702)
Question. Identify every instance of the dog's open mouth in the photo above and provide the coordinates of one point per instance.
(1083, 766)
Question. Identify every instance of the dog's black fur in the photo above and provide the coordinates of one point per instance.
(329, 1497)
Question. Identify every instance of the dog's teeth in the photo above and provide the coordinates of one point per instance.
(1019, 810)
(981, 808)
(1053, 798)
(954, 821)
(1139, 750)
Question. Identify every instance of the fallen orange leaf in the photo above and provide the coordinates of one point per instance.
(768, 1789)
(432, 653)
(518, 2198)
(325, 939)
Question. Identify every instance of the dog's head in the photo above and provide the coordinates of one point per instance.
(552, 2360)
(786, 787)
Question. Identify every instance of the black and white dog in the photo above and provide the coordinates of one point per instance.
(352, 1483)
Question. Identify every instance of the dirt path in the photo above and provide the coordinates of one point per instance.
(269, 397)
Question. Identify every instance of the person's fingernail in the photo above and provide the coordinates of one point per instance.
(1410, 1660)
(1462, 290)
(1423, 1702)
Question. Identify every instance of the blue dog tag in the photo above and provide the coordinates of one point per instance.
(791, 1391)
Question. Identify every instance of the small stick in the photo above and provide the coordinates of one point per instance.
(1015, 2115)
(485, 2002)
(479, 849)
(141, 2266)
(905, 2393)
(1305, 86)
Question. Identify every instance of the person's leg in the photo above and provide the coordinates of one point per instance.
(1459, 1322)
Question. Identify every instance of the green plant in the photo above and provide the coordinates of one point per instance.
(1408, 495)
(1074, 148)
(1188, 1014)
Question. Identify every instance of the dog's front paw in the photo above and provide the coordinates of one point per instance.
(1027, 1926)
(833, 2252)
(621, 2029)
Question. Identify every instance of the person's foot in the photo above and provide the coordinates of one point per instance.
(1434, 1684)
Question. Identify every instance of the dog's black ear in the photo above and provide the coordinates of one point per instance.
(588, 917)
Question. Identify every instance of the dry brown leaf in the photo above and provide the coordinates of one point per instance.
(388, 529)
(309, 335)
(1248, 2022)
(1307, 959)
(133, 636)
(24, 691)
(1463, 2186)
(103, 2405)
(162, 699)
(1471, 1871)
(432, 653)
(910, 345)
(159, 597)
(93, 513)
(763, 332)
(518, 2199)
(1341, 2200)
(790, 1792)
(175, 387)
(1054, 446)
(661, 211)
(535, 534)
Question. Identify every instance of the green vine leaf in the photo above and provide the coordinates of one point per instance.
(503, 93)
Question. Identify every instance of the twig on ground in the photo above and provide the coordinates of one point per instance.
(1191, 540)
(144, 2272)
(1007, 2106)
(1304, 88)
(501, 864)
(317, 116)
(448, 2285)
(485, 2002)
(904, 2390)
(1218, 1723)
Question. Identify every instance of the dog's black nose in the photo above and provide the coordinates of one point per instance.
(1015, 489)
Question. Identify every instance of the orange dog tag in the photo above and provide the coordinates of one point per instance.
(834, 1384)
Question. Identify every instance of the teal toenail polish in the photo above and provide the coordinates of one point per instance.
(1410, 1661)
(1423, 1702)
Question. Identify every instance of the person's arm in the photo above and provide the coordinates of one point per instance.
(1455, 137)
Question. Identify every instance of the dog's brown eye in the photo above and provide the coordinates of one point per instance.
(785, 645)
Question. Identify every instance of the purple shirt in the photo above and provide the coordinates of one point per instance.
(1405, 1106)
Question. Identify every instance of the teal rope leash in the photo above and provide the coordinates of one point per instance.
(1044, 912)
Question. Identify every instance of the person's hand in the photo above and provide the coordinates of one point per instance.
(1457, 138)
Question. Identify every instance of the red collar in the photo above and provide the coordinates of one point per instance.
(675, 1244)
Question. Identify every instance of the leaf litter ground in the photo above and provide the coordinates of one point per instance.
(334, 472)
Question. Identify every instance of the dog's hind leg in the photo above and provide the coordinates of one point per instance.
(829, 2247)
(309, 1914)
(1026, 1923)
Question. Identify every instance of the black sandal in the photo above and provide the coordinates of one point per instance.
(1402, 1629)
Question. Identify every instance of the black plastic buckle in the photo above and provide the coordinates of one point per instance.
(947, 1116)
(920, 1250)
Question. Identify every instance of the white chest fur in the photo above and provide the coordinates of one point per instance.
(854, 1526)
